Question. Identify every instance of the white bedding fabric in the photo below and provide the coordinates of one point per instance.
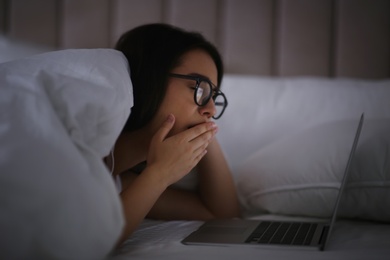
(263, 110)
(60, 114)
(287, 141)
(161, 240)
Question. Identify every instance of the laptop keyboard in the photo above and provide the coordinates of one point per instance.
(283, 233)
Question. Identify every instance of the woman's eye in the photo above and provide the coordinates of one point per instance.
(192, 85)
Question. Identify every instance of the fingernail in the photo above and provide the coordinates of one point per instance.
(213, 125)
(215, 128)
(170, 118)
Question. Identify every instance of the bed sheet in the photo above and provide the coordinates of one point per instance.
(161, 240)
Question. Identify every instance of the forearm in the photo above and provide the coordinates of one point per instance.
(176, 204)
(138, 197)
(216, 185)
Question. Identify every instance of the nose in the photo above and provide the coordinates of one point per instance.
(209, 109)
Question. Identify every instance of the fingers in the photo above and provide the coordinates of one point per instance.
(179, 153)
(195, 139)
(202, 150)
(162, 133)
(207, 130)
(202, 141)
(200, 156)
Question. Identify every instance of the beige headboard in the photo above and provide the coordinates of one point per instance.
(331, 38)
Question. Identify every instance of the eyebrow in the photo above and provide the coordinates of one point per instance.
(205, 78)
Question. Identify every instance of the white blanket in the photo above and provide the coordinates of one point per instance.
(60, 114)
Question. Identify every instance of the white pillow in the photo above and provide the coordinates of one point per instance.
(60, 113)
(300, 174)
(263, 110)
(368, 194)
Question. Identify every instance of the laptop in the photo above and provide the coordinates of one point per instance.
(273, 234)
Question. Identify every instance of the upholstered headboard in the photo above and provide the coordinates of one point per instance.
(330, 38)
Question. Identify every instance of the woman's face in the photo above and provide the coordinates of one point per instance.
(179, 98)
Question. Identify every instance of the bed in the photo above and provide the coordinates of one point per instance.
(296, 86)
(288, 151)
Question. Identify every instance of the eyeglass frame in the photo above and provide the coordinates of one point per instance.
(215, 92)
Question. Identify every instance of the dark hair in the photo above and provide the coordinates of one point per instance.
(153, 51)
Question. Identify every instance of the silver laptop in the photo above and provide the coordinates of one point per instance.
(271, 234)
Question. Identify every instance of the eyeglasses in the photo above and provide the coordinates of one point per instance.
(204, 91)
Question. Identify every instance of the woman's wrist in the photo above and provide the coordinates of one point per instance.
(155, 176)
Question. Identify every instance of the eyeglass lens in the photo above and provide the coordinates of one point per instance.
(219, 102)
(204, 94)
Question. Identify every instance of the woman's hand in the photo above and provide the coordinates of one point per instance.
(175, 156)
(214, 197)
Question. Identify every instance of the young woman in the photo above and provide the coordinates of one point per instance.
(176, 77)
